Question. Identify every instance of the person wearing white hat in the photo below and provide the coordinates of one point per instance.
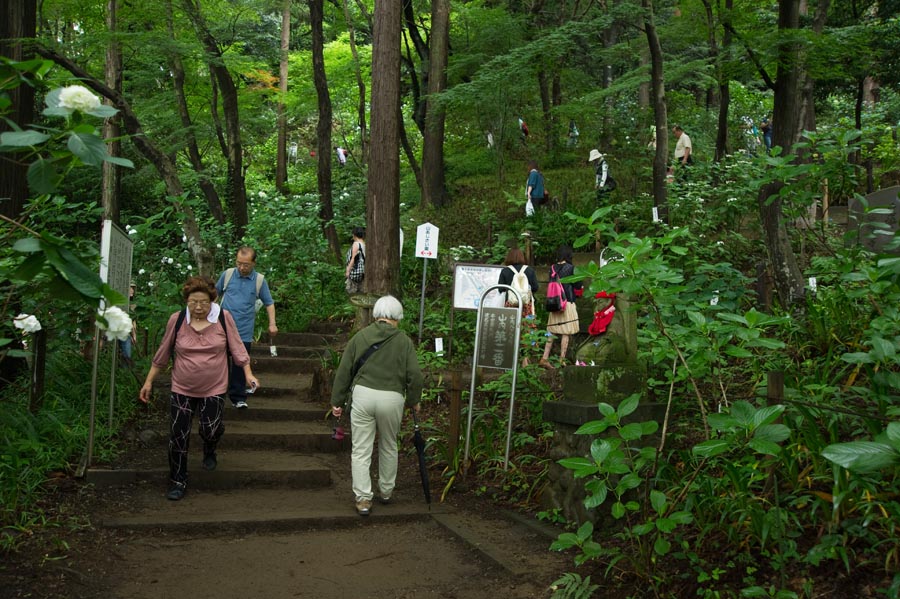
(603, 183)
(684, 153)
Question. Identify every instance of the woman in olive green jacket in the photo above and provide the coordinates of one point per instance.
(379, 373)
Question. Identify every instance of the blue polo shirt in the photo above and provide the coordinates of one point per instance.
(240, 300)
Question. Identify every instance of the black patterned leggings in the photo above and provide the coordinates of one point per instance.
(211, 429)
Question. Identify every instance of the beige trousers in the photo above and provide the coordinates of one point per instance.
(374, 412)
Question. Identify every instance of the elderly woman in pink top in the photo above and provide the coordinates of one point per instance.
(199, 339)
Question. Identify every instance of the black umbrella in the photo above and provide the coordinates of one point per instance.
(419, 442)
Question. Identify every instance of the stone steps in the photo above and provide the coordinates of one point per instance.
(237, 469)
(307, 339)
(283, 407)
(283, 441)
(279, 511)
(261, 350)
(279, 435)
(278, 383)
(285, 364)
(254, 509)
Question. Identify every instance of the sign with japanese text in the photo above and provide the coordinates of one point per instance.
(115, 257)
(427, 241)
(497, 338)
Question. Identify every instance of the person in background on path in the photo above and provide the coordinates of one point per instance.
(239, 295)
(651, 145)
(603, 182)
(127, 344)
(516, 259)
(766, 127)
(563, 323)
(534, 188)
(573, 134)
(523, 130)
(490, 140)
(355, 254)
(683, 153)
(199, 345)
(751, 135)
(379, 373)
(341, 155)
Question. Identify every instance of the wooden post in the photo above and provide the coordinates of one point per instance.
(455, 413)
(774, 396)
(763, 289)
(38, 364)
(775, 387)
(528, 256)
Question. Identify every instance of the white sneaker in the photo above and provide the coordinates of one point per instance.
(241, 404)
(363, 507)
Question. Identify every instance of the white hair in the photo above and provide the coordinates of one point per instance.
(388, 307)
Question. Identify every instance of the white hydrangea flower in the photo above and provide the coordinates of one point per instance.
(170, 260)
(118, 324)
(150, 283)
(78, 97)
(27, 322)
(141, 271)
(261, 194)
(189, 267)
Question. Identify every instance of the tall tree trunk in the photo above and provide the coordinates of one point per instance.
(408, 150)
(724, 84)
(807, 84)
(162, 162)
(323, 129)
(214, 113)
(610, 38)
(383, 192)
(644, 86)
(546, 109)
(193, 151)
(712, 91)
(237, 192)
(18, 20)
(434, 189)
(281, 151)
(360, 85)
(785, 124)
(421, 48)
(111, 185)
(658, 99)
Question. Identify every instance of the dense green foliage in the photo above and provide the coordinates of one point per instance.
(743, 497)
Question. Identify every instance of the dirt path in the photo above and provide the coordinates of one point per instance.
(275, 520)
(400, 551)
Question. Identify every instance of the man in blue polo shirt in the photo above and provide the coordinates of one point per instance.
(238, 293)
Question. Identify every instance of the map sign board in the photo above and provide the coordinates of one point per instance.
(470, 281)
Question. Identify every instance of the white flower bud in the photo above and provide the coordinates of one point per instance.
(27, 322)
(78, 97)
(118, 324)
